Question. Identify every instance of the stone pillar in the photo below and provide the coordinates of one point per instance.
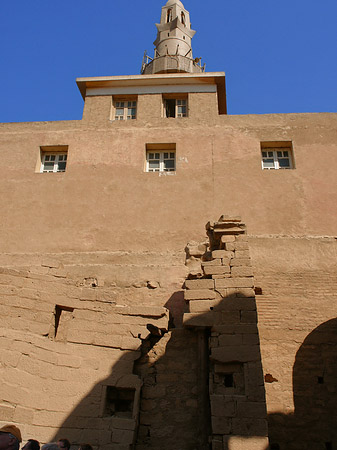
(222, 299)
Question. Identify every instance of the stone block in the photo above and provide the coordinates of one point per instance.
(241, 245)
(196, 250)
(22, 415)
(123, 423)
(226, 261)
(199, 284)
(237, 282)
(250, 339)
(248, 317)
(213, 262)
(229, 246)
(250, 427)
(236, 304)
(123, 437)
(238, 353)
(222, 275)
(129, 381)
(255, 410)
(236, 292)
(227, 238)
(245, 292)
(256, 393)
(229, 230)
(246, 443)
(235, 328)
(226, 218)
(216, 270)
(152, 392)
(199, 294)
(240, 262)
(221, 425)
(222, 407)
(130, 343)
(242, 254)
(254, 374)
(6, 412)
(201, 320)
(227, 368)
(242, 271)
(200, 306)
(230, 317)
(230, 339)
(222, 254)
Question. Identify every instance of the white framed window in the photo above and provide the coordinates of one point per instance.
(160, 161)
(53, 162)
(277, 156)
(175, 107)
(125, 109)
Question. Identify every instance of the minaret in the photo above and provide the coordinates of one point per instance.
(173, 52)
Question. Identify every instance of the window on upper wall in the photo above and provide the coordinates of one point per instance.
(277, 155)
(53, 158)
(160, 158)
(175, 106)
(124, 109)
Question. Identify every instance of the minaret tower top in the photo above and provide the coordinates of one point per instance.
(173, 52)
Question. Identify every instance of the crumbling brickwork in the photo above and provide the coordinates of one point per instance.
(223, 302)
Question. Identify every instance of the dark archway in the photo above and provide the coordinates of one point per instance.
(313, 424)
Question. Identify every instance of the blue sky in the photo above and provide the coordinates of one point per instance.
(279, 57)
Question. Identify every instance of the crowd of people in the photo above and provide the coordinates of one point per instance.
(10, 439)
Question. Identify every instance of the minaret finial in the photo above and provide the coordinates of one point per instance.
(173, 52)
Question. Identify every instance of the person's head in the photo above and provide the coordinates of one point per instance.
(31, 444)
(50, 446)
(10, 437)
(63, 444)
(85, 447)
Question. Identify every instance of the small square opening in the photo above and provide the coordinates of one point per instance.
(119, 402)
(228, 380)
(63, 316)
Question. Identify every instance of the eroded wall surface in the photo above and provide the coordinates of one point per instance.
(53, 386)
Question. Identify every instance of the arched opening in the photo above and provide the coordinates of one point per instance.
(169, 15)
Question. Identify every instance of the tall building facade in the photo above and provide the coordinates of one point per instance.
(168, 271)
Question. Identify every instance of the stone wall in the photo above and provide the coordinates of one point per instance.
(68, 349)
(119, 333)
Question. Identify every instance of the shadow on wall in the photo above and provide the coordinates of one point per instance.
(313, 424)
(158, 397)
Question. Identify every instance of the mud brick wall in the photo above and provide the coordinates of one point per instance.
(222, 302)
